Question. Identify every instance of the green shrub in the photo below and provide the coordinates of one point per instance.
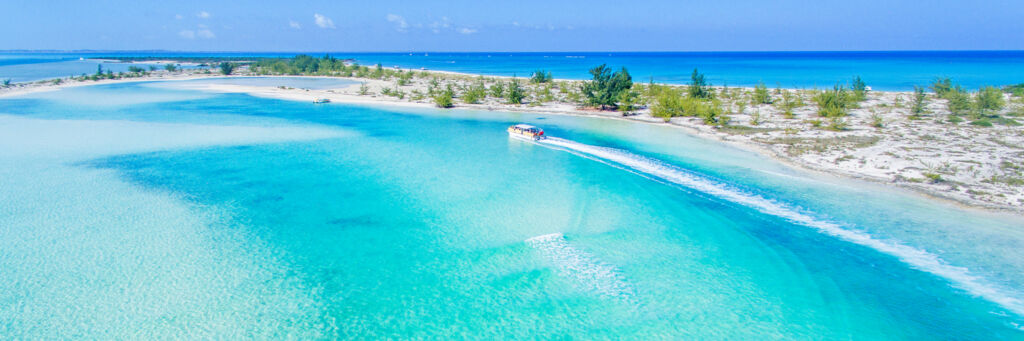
(670, 102)
(444, 99)
(540, 76)
(959, 101)
(942, 86)
(837, 123)
(877, 121)
(404, 78)
(989, 98)
(1016, 89)
(498, 90)
(983, 122)
(761, 95)
(699, 87)
(859, 88)
(833, 103)
(918, 107)
(475, 93)
(515, 92)
(227, 68)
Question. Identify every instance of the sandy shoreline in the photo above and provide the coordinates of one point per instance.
(816, 162)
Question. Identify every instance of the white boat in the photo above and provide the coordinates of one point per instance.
(321, 100)
(526, 131)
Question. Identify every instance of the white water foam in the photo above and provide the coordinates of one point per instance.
(919, 259)
(589, 273)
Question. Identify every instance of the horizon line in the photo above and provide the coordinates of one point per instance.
(440, 51)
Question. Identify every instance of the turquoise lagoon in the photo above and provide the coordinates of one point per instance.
(146, 210)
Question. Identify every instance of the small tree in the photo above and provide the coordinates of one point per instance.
(498, 90)
(761, 95)
(942, 86)
(860, 89)
(170, 67)
(918, 108)
(989, 98)
(7, 82)
(606, 88)
(475, 93)
(833, 103)
(226, 68)
(99, 69)
(540, 76)
(515, 92)
(444, 99)
(699, 87)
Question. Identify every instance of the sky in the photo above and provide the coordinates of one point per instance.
(525, 25)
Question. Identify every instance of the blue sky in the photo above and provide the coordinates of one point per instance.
(530, 25)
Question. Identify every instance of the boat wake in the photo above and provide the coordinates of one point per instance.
(960, 277)
(589, 273)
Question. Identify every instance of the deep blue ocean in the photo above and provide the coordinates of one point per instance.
(882, 70)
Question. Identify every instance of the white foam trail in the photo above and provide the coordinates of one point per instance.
(589, 273)
(919, 259)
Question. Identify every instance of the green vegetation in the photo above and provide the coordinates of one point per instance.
(1016, 89)
(444, 98)
(606, 88)
(498, 90)
(860, 89)
(515, 92)
(876, 120)
(670, 102)
(989, 98)
(918, 107)
(136, 69)
(699, 88)
(227, 67)
(7, 82)
(475, 93)
(790, 102)
(761, 95)
(540, 76)
(170, 67)
(833, 103)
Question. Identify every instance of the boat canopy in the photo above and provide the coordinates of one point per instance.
(526, 127)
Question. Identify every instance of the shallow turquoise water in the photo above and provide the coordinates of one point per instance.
(427, 223)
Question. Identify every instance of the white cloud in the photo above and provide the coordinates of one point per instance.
(402, 26)
(201, 32)
(437, 26)
(467, 30)
(205, 34)
(178, 16)
(203, 14)
(515, 23)
(322, 21)
(294, 24)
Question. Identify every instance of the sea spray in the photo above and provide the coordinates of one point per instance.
(919, 259)
(588, 273)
